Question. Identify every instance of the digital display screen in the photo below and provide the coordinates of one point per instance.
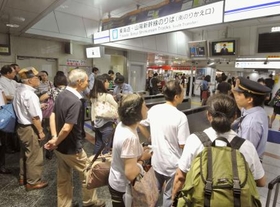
(269, 42)
(223, 48)
(93, 52)
(198, 49)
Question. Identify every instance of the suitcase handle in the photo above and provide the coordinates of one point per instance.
(273, 182)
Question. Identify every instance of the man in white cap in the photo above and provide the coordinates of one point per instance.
(30, 131)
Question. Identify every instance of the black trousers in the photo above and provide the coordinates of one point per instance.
(2, 149)
(116, 197)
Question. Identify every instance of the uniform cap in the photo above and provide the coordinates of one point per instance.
(27, 73)
(253, 87)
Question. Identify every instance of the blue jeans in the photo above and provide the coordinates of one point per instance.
(167, 192)
(104, 135)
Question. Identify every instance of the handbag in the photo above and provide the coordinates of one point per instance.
(8, 118)
(105, 110)
(49, 109)
(50, 105)
(144, 189)
(98, 169)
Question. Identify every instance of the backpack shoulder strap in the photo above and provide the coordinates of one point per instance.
(203, 138)
(236, 142)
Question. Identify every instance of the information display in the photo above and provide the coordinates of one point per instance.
(93, 52)
(247, 9)
(197, 17)
(198, 49)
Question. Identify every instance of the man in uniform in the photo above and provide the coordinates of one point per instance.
(253, 124)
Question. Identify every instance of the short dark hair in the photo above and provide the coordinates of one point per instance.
(130, 107)
(6, 69)
(171, 89)
(98, 86)
(60, 80)
(119, 79)
(223, 109)
(59, 73)
(224, 77)
(258, 100)
(43, 71)
(94, 69)
(111, 72)
(14, 65)
(207, 78)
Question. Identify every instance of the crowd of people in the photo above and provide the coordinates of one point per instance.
(173, 147)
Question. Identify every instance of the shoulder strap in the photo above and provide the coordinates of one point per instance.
(95, 157)
(236, 142)
(203, 138)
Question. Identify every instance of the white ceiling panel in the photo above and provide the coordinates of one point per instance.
(70, 24)
(48, 23)
(80, 9)
(34, 6)
(91, 27)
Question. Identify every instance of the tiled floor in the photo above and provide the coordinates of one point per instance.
(11, 195)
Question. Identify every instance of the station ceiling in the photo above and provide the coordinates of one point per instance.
(77, 20)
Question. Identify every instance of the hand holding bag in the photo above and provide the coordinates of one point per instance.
(98, 169)
(144, 189)
(105, 110)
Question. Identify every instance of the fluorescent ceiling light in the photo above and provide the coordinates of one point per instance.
(275, 29)
(12, 25)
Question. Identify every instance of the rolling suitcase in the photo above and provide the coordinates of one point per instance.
(275, 181)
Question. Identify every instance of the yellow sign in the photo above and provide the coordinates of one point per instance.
(4, 49)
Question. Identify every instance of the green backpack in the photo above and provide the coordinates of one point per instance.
(219, 176)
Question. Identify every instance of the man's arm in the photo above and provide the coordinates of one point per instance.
(52, 125)
(57, 139)
(37, 123)
(178, 183)
(261, 182)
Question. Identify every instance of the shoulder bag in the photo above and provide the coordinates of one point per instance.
(105, 110)
(144, 189)
(7, 118)
(98, 169)
(50, 105)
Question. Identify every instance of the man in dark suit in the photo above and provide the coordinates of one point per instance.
(224, 50)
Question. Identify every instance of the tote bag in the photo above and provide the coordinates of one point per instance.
(7, 118)
(144, 190)
(105, 110)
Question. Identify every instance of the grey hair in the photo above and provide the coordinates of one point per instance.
(76, 75)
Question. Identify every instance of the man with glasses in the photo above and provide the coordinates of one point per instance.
(30, 131)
